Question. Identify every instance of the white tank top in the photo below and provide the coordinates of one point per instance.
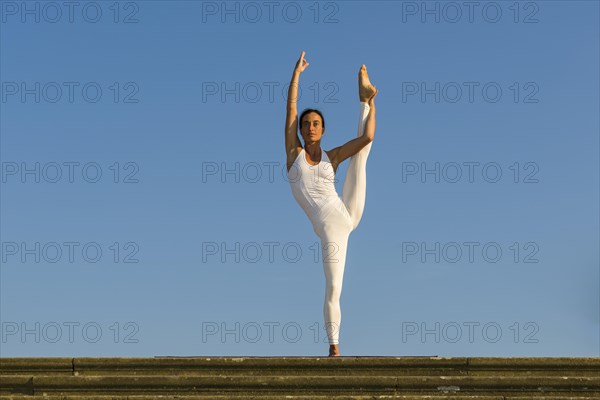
(313, 186)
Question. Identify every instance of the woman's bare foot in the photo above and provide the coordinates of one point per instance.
(365, 89)
(334, 351)
(371, 101)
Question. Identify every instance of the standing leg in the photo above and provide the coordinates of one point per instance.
(354, 192)
(334, 242)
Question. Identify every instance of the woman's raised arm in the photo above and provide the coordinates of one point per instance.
(291, 121)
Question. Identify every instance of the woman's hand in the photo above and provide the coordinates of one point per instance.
(301, 64)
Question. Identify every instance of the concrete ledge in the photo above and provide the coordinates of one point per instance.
(436, 383)
(308, 365)
(36, 365)
(300, 377)
(344, 366)
(293, 397)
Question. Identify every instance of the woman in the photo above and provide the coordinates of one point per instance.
(311, 173)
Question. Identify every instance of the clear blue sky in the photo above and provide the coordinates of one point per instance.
(180, 109)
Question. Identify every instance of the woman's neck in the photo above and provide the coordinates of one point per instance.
(313, 150)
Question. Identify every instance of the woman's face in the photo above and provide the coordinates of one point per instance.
(311, 127)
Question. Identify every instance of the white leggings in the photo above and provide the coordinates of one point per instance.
(335, 230)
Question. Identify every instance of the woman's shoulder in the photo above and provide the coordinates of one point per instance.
(293, 156)
(294, 152)
(332, 154)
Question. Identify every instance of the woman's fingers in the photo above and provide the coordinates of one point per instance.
(302, 63)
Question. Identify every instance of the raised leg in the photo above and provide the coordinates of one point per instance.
(335, 230)
(354, 191)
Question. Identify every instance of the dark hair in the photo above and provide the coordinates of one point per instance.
(309, 110)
